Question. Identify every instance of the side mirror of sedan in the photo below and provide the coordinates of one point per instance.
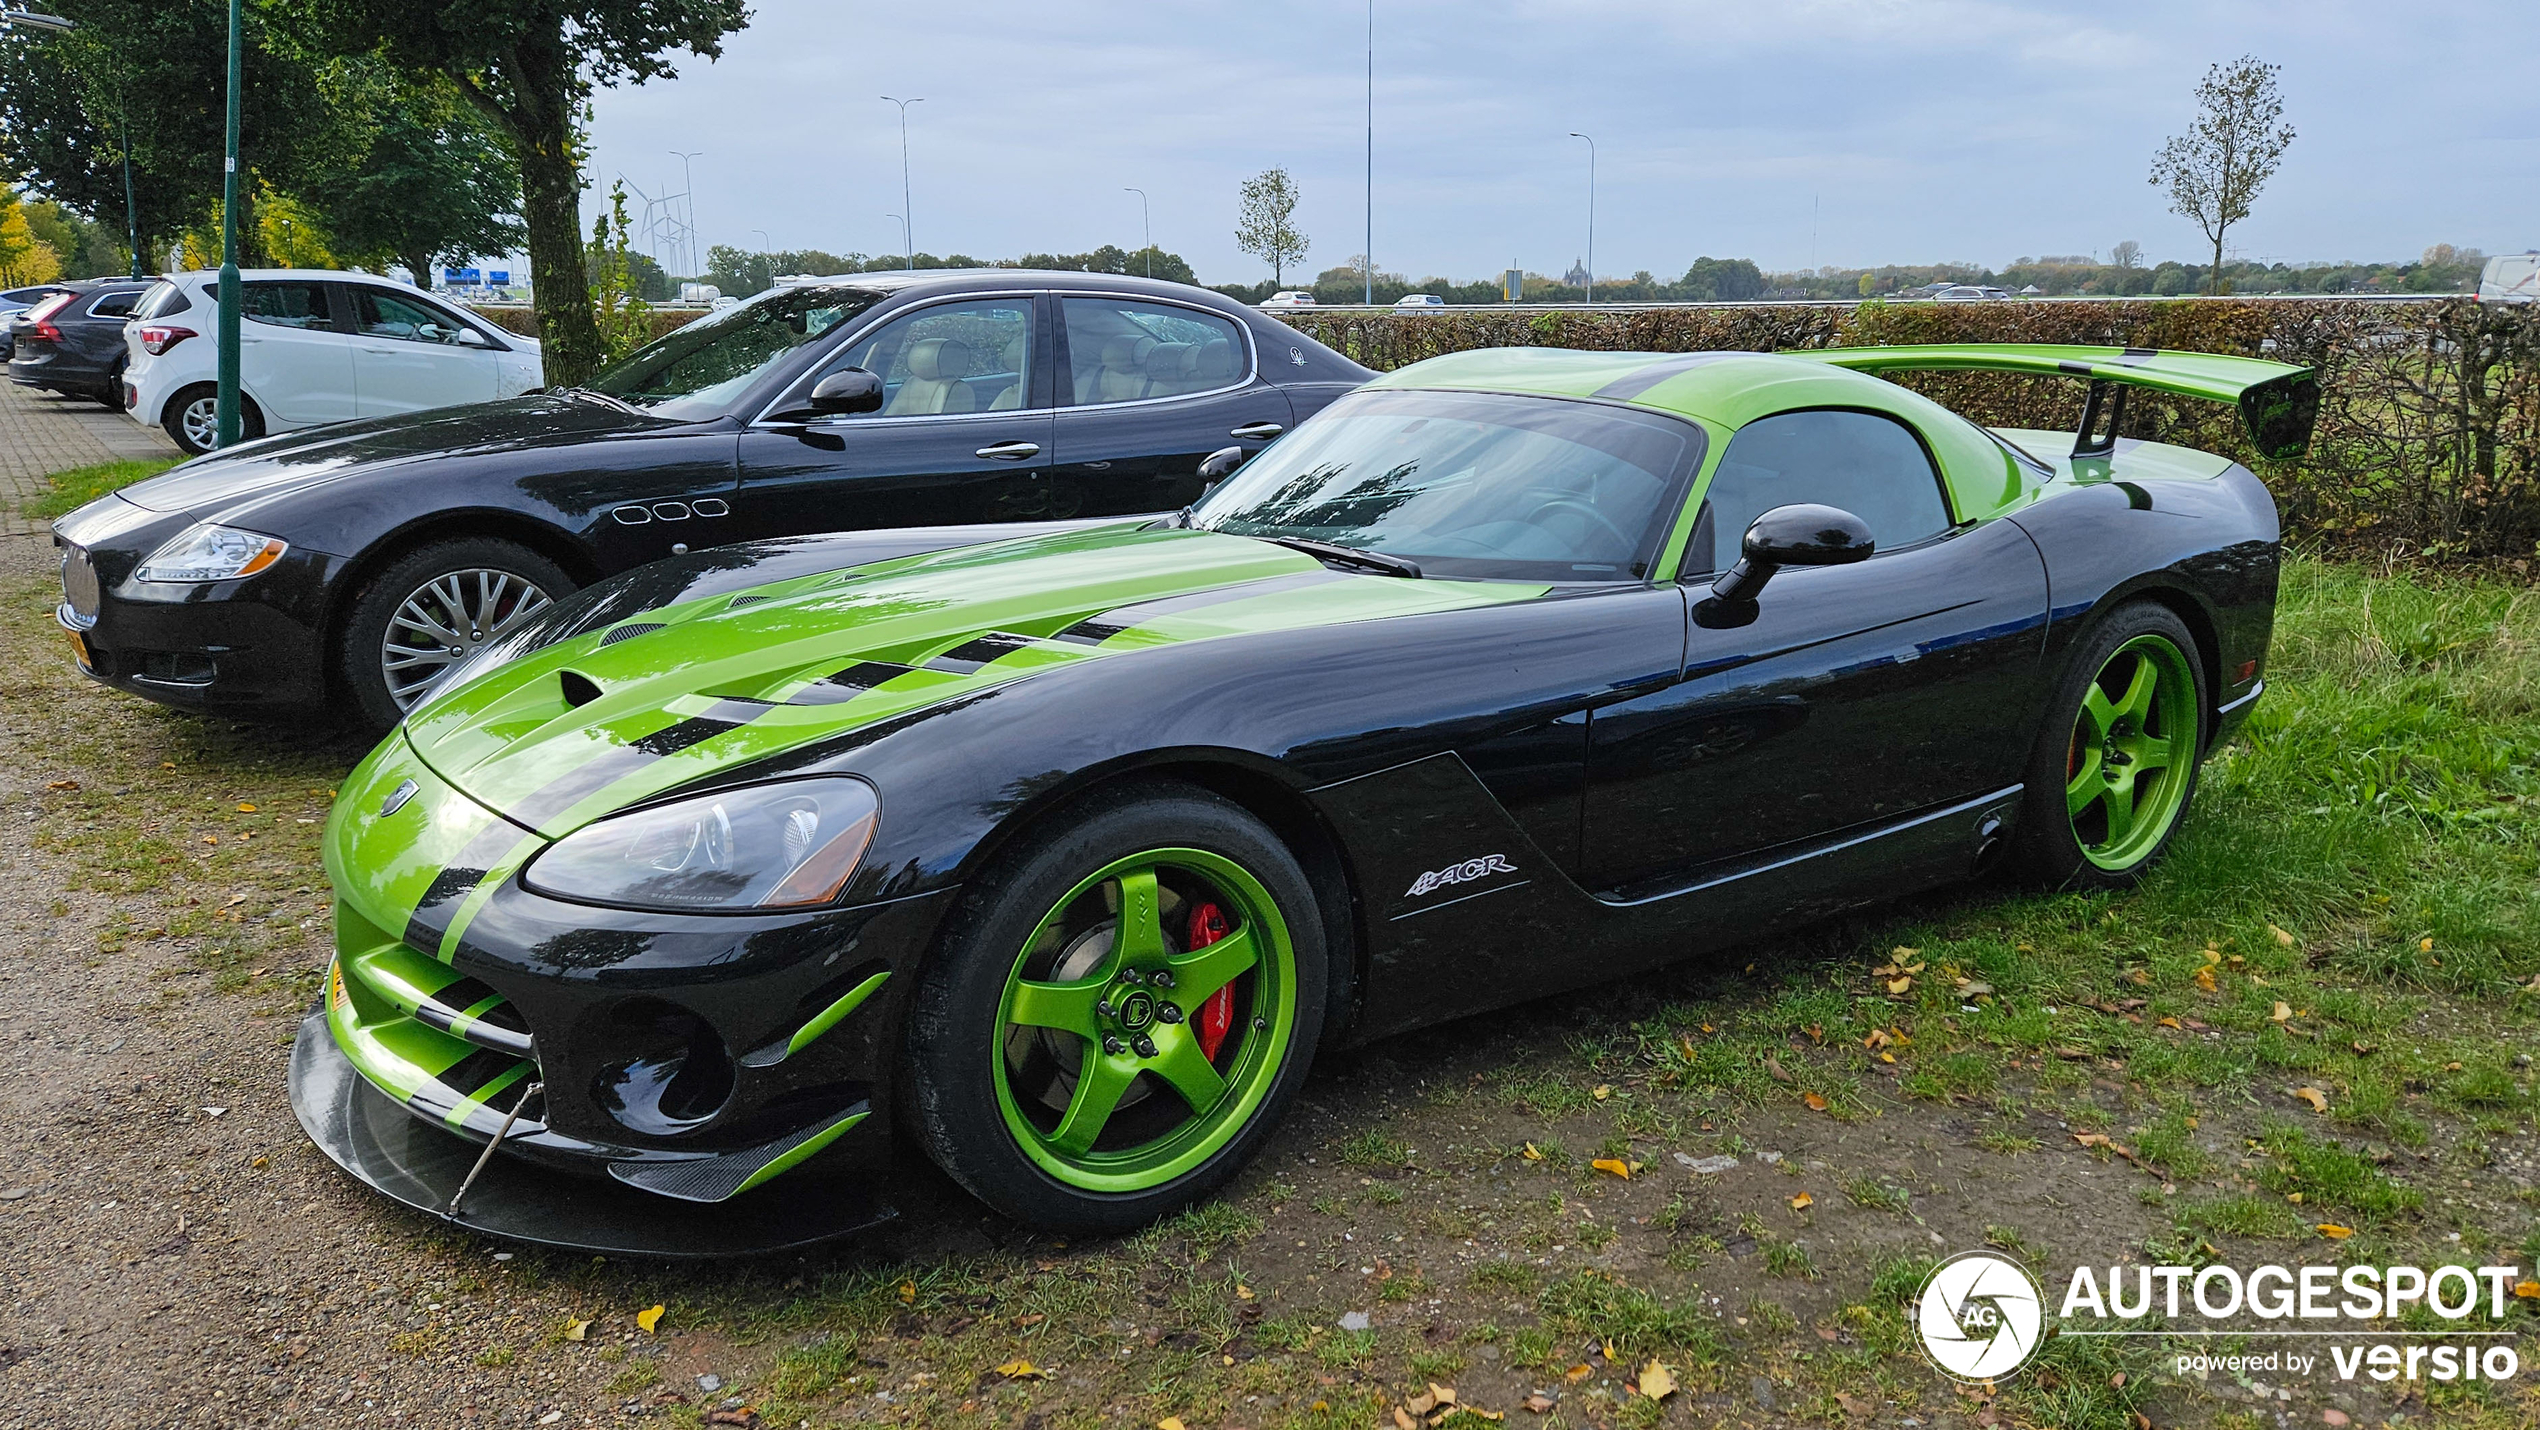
(842, 393)
(1217, 466)
(1803, 534)
(470, 338)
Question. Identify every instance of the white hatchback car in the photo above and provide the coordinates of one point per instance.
(1418, 302)
(1289, 298)
(314, 346)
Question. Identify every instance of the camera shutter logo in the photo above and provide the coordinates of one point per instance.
(1981, 1316)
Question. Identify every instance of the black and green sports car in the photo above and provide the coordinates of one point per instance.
(1060, 852)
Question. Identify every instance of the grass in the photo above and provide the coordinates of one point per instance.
(79, 486)
(2367, 856)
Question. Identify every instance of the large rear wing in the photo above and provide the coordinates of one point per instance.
(2278, 402)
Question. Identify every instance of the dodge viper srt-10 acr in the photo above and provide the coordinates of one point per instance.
(1060, 851)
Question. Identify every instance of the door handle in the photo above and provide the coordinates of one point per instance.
(1257, 431)
(1010, 451)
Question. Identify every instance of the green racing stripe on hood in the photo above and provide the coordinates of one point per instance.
(563, 735)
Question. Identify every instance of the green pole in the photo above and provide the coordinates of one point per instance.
(229, 254)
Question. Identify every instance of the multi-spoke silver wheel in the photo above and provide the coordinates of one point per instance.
(201, 420)
(444, 620)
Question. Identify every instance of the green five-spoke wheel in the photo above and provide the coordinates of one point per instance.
(1120, 1010)
(2115, 765)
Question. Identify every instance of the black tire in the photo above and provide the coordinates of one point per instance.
(194, 438)
(359, 650)
(2047, 849)
(949, 1102)
(113, 395)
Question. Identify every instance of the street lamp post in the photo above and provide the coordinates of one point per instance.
(909, 238)
(903, 218)
(1145, 226)
(764, 244)
(1591, 258)
(227, 432)
(1371, 154)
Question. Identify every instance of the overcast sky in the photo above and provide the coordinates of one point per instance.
(1845, 132)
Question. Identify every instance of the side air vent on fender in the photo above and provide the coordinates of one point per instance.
(579, 689)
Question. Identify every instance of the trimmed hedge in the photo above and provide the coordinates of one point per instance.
(2428, 444)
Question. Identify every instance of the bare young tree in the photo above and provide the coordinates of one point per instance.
(2213, 172)
(2127, 254)
(1265, 224)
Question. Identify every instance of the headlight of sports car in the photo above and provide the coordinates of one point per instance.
(769, 846)
(206, 551)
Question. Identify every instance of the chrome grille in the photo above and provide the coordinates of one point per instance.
(79, 582)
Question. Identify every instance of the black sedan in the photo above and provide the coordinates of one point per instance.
(72, 342)
(346, 567)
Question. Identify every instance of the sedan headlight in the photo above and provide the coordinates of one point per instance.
(206, 551)
(771, 846)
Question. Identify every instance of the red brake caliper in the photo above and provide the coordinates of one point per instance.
(1208, 924)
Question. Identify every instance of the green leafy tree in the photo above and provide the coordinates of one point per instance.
(2214, 171)
(434, 182)
(530, 66)
(1721, 280)
(153, 72)
(1265, 222)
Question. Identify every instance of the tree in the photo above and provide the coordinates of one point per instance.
(434, 182)
(24, 258)
(1265, 222)
(1726, 280)
(2213, 172)
(530, 66)
(2128, 254)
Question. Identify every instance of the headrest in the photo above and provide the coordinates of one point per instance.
(1171, 360)
(938, 359)
(1216, 361)
(1126, 351)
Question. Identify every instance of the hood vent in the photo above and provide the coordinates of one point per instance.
(739, 601)
(579, 689)
(631, 630)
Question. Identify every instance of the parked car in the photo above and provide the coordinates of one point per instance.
(315, 346)
(72, 342)
(348, 566)
(2511, 278)
(1971, 293)
(1415, 302)
(18, 300)
(1062, 857)
(1289, 298)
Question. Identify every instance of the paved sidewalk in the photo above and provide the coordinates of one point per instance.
(41, 433)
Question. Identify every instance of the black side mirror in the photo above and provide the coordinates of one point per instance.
(1803, 534)
(1217, 466)
(841, 393)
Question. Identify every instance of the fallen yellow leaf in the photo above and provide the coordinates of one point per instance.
(1479, 1413)
(1900, 985)
(1243, 1293)
(648, 1318)
(1614, 1166)
(1169, 1422)
(2316, 1098)
(1802, 1202)
(2281, 936)
(1443, 1394)
(1609, 1352)
(2425, 945)
(1531, 1154)
(1576, 1373)
(1022, 1370)
(908, 1293)
(1656, 1381)
(1602, 1091)
(2213, 955)
(2205, 979)
(1404, 1419)
(2168, 1022)
(1816, 1101)
(2283, 1013)
(2527, 1290)
(575, 1330)
(2335, 1232)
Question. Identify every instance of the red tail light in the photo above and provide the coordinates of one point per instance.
(46, 331)
(157, 338)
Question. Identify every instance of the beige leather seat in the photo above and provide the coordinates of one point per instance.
(936, 367)
(1120, 375)
(1011, 360)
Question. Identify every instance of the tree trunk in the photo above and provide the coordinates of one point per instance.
(551, 201)
(2213, 279)
(420, 265)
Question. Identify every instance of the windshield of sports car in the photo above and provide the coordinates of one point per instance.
(700, 370)
(1479, 485)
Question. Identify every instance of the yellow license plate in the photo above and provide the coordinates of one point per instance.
(79, 647)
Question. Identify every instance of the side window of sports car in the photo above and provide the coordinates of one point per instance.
(952, 357)
(1869, 465)
(1121, 350)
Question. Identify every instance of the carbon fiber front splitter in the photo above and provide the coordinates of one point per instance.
(379, 1141)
